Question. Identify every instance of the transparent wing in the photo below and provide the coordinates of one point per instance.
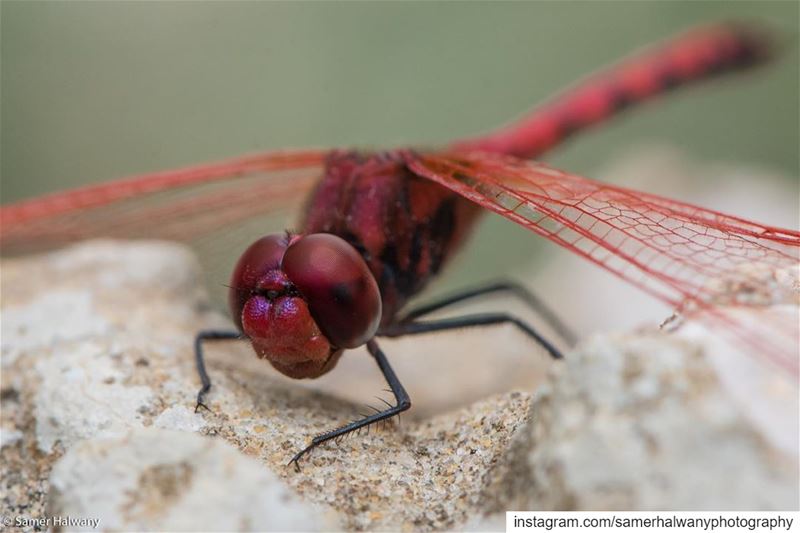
(218, 209)
(697, 260)
(185, 204)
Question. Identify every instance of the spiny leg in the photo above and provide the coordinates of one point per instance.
(208, 335)
(402, 403)
(521, 292)
(484, 319)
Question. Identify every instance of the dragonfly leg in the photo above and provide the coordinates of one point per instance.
(515, 289)
(484, 319)
(402, 403)
(208, 335)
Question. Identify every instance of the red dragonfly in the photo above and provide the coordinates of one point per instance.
(377, 226)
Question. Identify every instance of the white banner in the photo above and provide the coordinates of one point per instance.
(529, 521)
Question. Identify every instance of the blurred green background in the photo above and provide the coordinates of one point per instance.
(97, 90)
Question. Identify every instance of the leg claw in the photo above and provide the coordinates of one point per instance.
(298, 456)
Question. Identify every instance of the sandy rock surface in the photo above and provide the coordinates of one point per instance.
(106, 353)
(675, 440)
(98, 382)
(175, 481)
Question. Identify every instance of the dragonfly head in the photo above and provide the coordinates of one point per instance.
(302, 299)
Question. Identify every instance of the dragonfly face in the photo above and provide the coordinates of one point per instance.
(302, 299)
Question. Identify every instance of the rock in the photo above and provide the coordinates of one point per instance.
(98, 369)
(759, 380)
(90, 339)
(116, 358)
(153, 479)
(643, 422)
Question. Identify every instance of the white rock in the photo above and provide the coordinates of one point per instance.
(80, 396)
(761, 381)
(635, 422)
(9, 436)
(139, 372)
(174, 481)
(180, 418)
(643, 422)
(55, 317)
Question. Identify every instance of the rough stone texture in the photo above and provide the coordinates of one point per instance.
(88, 335)
(108, 350)
(643, 422)
(174, 481)
(97, 345)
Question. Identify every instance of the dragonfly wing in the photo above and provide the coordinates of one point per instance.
(694, 259)
(187, 204)
(218, 209)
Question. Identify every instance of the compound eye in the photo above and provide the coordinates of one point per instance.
(256, 262)
(341, 292)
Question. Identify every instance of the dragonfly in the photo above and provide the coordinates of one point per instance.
(377, 226)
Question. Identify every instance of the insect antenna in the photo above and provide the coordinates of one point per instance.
(237, 289)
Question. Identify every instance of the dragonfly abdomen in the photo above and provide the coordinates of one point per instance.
(699, 54)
